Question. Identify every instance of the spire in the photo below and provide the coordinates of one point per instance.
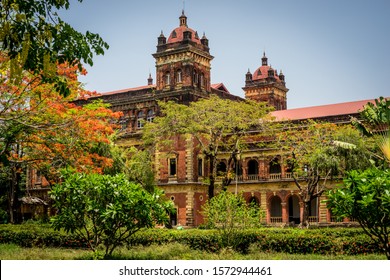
(248, 76)
(281, 76)
(264, 60)
(161, 39)
(150, 80)
(183, 19)
(204, 40)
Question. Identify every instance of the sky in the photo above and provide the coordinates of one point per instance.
(330, 51)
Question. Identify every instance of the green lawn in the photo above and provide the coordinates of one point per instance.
(173, 251)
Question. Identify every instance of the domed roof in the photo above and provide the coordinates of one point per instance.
(177, 35)
(263, 71)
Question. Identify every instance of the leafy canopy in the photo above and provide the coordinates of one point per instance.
(366, 198)
(35, 37)
(105, 209)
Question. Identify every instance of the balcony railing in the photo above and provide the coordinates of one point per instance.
(276, 220)
(270, 177)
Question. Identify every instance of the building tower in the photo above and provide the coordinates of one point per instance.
(183, 63)
(265, 85)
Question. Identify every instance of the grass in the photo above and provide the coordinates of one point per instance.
(172, 251)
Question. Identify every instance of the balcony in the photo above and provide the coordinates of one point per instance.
(276, 220)
(258, 178)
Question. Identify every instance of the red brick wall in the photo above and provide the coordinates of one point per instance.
(199, 200)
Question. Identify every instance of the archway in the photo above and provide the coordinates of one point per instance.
(274, 166)
(254, 201)
(221, 168)
(253, 169)
(276, 209)
(294, 213)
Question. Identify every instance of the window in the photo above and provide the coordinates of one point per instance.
(172, 167)
(179, 76)
(202, 80)
(221, 168)
(150, 116)
(167, 79)
(140, 119)
(200, 167)
(253, 167)
(274, 166)
(195, 78)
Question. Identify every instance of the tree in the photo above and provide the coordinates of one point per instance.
(36, 39)
(316, 152)
(105, 209)
(43, 130)
(366, 195)
(375, 122)
(229, 214)
(135, 164)
(366, 198)
(218, 125)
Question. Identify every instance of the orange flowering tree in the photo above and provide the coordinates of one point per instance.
(44, 130)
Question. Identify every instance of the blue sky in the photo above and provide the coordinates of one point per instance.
(330, 51)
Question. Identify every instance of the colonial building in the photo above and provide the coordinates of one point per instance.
(183, 74)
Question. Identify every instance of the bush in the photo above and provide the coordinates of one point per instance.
(292, 241)
(106, 210)
(38, 236)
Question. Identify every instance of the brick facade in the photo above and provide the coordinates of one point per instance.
(183, 65)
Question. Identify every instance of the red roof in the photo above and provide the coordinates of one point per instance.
(128, 90)
(262, 73)
(177, 35)
(220, 86)
(339, 109)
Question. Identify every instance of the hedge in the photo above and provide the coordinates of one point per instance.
(292, 241)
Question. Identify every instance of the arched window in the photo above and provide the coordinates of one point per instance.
(294, 210)
(179, 76)
(150, 116)
(253, 167)
(254, 201)
(140, 119)
(221, 167)
(195, 78)
(276, 209)
(253, 170)
(274, 166)
(167, 79)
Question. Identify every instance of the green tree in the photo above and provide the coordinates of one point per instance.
(134, 163)
(374, 122)
(366, 198)
(230, 215)
(36, 38)
(105, 209)
(218, 126)
(318, 152)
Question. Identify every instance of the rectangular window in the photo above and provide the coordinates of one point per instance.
(200, 167)
(172, 167)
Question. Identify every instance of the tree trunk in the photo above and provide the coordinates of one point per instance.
(306, 211)
(13, 194)
(212, 171)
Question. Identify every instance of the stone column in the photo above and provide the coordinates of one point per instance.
(301, 209)
(190, 208)
(264, 207)
(189, 158)
(323, 210)
(284, 212)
